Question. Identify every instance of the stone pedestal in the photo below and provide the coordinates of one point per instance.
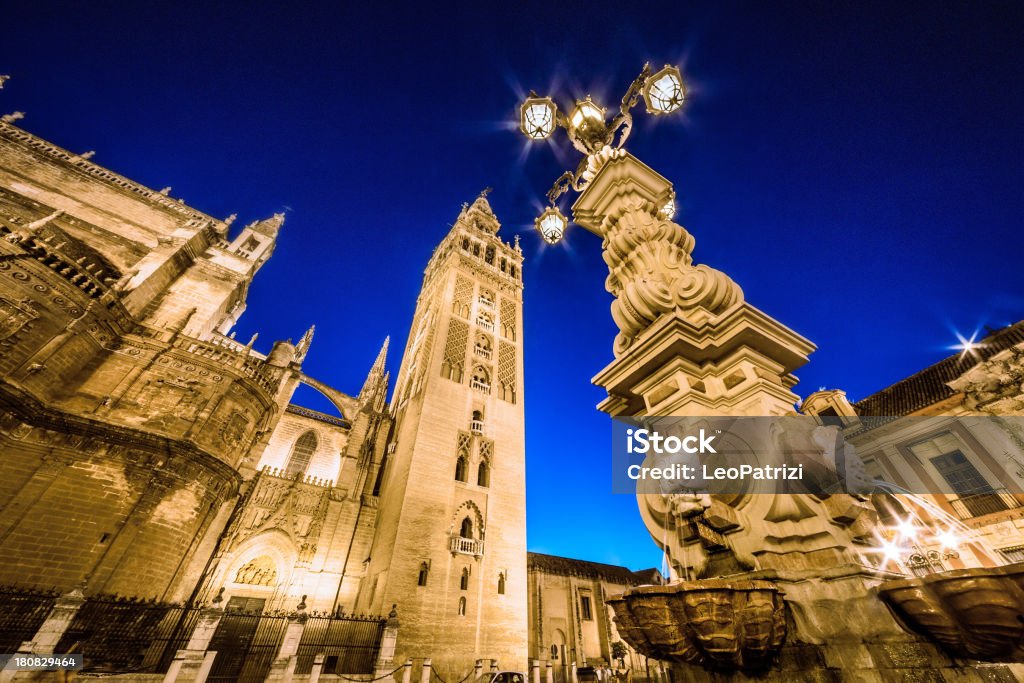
(192, 664)
(688, 343)
(283, 668)
(57, 622)
(389, 637)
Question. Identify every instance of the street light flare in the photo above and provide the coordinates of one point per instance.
(948, 539)
(906, 528)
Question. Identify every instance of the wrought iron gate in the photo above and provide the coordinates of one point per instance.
(246, 645)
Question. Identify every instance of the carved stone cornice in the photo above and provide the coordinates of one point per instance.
(86, 167)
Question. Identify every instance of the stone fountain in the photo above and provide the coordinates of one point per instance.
(774, 585)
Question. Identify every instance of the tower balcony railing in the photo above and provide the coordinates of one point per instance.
(466, 546)
(485, 324)
(987, 503)
(485, 301)
(483, 387)
(476, 426)
(482, 352)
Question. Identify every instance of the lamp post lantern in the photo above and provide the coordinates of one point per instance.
(594, 135)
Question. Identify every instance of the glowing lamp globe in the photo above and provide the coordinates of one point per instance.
(664, 91)
(537, 117)
(587, 124)
(668, 211)
(551, 225)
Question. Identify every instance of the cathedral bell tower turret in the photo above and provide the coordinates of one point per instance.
(450, 549)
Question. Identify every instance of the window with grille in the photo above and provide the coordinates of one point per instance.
(302, 453)
(585, 610)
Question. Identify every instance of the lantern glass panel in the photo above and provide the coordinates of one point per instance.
(665, 93)
(551, 225)
(538, 119)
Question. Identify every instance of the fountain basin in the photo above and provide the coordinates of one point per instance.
(715, 623)
(976, 613)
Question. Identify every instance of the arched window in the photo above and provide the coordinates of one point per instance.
(482, 347)
(421, 580)
(462, 607)
(485, 320)
(460, 469)
(476, 423)
(466, 531)
(501, 583)
(302, 453)
(464, 581)
(483, 474)
(481, 380)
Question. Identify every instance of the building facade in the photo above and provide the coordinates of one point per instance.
(149, 454)
(570, 622)
(952, 434)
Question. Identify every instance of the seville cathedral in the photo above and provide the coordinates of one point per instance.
(166, 510)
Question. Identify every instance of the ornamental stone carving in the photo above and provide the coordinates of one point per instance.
(651, 271)
(998, 382)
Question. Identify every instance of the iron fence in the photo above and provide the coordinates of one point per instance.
(350, 644)
(123, 635)
(22, 612)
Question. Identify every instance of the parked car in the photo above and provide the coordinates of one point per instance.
(501, 677)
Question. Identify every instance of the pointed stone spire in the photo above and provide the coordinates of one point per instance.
(377, 369)
(302, 348)
(375, 387)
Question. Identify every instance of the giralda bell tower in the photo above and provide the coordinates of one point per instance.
(450, 544)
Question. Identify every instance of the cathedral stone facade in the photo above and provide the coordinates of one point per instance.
(148, 453)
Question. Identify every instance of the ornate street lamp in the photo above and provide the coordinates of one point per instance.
(593, 135)
(551, 225)
(664, 91)
(538, 117)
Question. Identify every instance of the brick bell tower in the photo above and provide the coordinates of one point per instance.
(450, 548)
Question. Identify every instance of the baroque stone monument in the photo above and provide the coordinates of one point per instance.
(776, 585)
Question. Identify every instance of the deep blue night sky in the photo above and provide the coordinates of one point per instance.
(856, 167)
